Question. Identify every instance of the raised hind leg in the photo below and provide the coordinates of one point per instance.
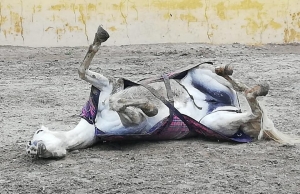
(228, 120)
(250, 93)
(254, 126)
(260, 126)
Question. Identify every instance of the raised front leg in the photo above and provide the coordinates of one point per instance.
(96, 79)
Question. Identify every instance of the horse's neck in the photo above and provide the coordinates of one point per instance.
(82, 136)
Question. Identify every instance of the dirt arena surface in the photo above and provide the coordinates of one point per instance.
(40, 86)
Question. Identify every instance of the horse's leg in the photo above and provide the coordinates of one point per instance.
(145, 105)
(51, 144)
(130, 110)
(253, 126)
(228, 121)
(226, 72)
(96, 79)
(250, 93)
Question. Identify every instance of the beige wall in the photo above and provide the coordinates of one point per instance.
(73, 23)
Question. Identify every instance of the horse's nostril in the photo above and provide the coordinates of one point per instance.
(28, 152)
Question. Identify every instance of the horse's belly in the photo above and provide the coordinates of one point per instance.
(195, 109)
(109, 122)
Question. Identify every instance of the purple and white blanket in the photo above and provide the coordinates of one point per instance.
(171, 127)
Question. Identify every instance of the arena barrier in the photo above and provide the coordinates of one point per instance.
(73, 23)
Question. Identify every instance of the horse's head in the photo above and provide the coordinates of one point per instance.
(42, 143)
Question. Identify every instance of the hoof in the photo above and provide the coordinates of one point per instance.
(101, 35)
(259, 90)
(227, 70)
(264, 89)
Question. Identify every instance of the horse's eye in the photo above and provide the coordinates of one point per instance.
(39, 131)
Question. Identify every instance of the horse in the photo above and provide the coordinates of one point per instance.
(199, 100)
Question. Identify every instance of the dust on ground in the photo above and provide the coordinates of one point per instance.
(40, 86)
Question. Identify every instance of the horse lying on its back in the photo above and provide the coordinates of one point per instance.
(196, 101)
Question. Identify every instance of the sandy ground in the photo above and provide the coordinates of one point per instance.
(41, 86)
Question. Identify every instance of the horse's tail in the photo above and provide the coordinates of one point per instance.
(269, 131)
